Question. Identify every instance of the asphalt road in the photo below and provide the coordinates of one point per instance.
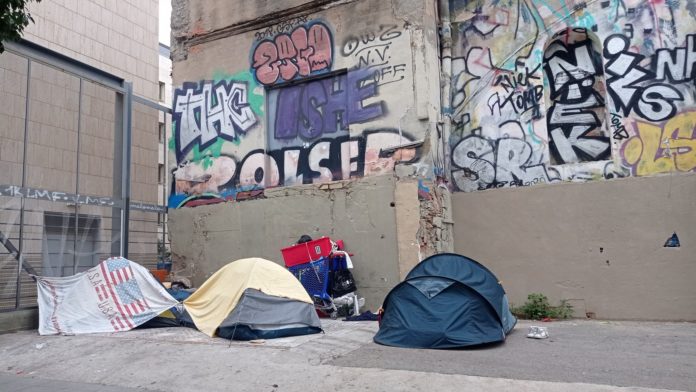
(650, 355)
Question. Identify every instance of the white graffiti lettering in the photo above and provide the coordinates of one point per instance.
(655, 102)
(574, 118)
(205, 111)
(481, 164)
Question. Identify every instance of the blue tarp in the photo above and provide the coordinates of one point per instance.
(446, 301)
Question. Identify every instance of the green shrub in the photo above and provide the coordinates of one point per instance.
(537, 307)
(563, 311)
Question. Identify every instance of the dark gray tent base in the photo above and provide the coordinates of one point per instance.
(244, 332)
(261, 316)
(182, 319)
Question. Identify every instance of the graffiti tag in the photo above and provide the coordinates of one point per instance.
(205, 111)
(655, 102)
(481, 163)
(574, 118)
(326, 159)
(662, 149)
(300, 53)
(312, 109)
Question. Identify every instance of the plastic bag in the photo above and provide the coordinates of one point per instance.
(342, 283)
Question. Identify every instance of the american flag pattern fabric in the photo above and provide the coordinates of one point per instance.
(121, 287)
(116, 295)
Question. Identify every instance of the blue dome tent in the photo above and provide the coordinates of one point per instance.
(446, 301)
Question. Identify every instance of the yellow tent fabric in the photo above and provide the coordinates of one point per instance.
(218, 296)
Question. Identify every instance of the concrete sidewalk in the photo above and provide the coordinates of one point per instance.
(30, 384)
(579, 356)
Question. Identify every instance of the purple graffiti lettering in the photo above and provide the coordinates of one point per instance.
(286, 112)
(321, 107)
(360, 88)
(312, 99)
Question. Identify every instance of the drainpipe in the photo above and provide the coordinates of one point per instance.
(445, 120)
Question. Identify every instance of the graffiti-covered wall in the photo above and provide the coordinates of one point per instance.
(308, 98)
(559, 90)
(317, 117)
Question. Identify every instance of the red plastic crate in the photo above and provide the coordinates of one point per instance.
(309, 251)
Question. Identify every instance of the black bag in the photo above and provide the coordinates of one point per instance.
(304, 238)
(342, 283)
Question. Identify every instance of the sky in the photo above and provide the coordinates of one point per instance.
(165, 11)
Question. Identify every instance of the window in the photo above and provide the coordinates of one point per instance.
(575, 98)
(161, 91)
(161, 132)
(70, 243)
(160, 174)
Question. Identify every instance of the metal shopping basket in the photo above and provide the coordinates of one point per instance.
(314, 277)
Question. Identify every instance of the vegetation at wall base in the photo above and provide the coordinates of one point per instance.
(14, 17)
(538, 307)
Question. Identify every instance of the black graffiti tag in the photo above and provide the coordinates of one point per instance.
(620, 131)
(626, 84)
(577, 107)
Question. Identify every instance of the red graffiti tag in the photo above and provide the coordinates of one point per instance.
(289, 55)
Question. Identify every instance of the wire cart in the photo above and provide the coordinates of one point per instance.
(314, 263)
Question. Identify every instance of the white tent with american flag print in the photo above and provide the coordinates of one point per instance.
(116, 295)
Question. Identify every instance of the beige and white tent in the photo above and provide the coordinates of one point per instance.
(252, 298)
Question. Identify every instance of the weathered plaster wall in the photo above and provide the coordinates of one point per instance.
(276, 99)
(362, 213)
(407, 222)
(598, 244)
(310, 98)
(563, 90)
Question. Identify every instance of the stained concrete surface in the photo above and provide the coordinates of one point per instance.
(651, 355)
(360, 213)
(580, 356)
(30, 384)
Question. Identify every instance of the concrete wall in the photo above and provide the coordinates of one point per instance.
(598, 244)
(551, 91)
(574, 91)
(361, 213)
(19, 320)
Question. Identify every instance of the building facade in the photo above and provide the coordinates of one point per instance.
(392, 125)
(296, 115)
(599, 94)
(164, 124)
(59, 141)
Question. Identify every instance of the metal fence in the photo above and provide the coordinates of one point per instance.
(79, 173)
